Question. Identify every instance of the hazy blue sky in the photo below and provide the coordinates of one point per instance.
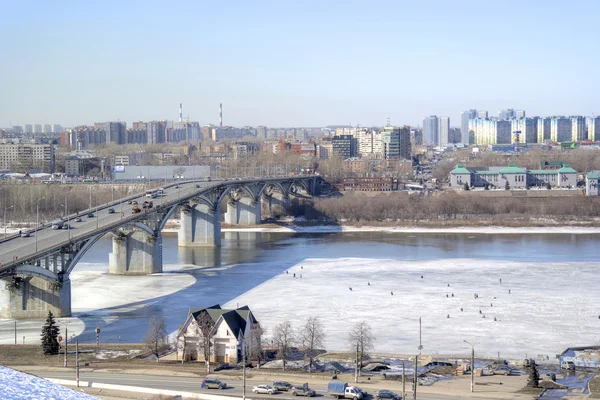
(295, 63)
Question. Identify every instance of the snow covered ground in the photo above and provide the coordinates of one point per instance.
(15, 385)
(550, 305)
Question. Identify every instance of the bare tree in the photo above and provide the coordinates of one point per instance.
(311, 337)
(205, 326)
(157, 337)
(283, 336)
(253, 345)
(361, 338)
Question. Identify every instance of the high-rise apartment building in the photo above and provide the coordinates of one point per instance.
(482, 114)
(465, 116)
(544, 129)
(370, 144)
(28, 128)
(27, 157)
(47, 128)
(527, 129)
(156, 132)
(56, 128)
(396, 142)
(578, 130)
(520, 113)
(37, 128)
(431, 130)
(115, 132)
(443, 131)
(345, 145)
(507, 114)
(593, 128)
(490, 131)
(561, 129)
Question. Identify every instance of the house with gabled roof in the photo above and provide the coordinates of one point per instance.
(230, 330)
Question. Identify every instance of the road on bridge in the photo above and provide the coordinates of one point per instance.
(48, 238)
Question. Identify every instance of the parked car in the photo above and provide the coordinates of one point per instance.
(90, 215)
(569, 365)
(282, 386)
(111, 210)
(264, 389)
(78, 219)
(213, 383)
(386, 394)
(303, 390)
(500, 370)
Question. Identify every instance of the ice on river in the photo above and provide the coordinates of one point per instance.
(550, 305)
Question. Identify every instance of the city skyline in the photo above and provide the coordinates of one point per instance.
(287, 64)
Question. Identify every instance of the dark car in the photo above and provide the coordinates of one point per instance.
(212, 383)
(111, 210)
(78, 219)
(386, 394)
(90, 215)
(282, 386)
(197, 186)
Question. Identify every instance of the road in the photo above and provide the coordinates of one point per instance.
(192, 384)
(48, 238)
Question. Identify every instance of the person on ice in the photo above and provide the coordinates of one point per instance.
(392, 293)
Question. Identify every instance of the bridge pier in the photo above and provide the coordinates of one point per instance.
(33, 297)
(200, 226)
(245, 211)
(136, 253)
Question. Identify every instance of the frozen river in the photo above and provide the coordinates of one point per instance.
(553, 279)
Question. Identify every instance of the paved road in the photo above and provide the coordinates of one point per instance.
(48, 238)
(192, 384)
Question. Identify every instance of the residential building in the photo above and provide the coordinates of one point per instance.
(482, 114)
(72, 166)
(561, 129)
(396, 142)
(544, 129)
(465, 116)
(593, 128)
(527, 130)
(325, 149)
(185, 131)
(370, 143)
(592, 183)
(28, 128)
(431, 128)
(230, 329)
(520, 114)
(455, 136)
(416, 137)
(115, 131)
(345, 145)
(37, 128)
(509, 113)
(156, 132)
(304, 149)
(136, 135)
(27, 157)
(443, 131)
(47, 128)
(56, 128)
(578, 129)
(261, 132)
(515, 177)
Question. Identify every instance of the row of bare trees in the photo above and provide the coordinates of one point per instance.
(402, 206)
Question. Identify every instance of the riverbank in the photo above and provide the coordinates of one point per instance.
(282, 226)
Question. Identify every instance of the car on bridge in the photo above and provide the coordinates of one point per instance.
(78, 219)
(303, 390)
(213, 383)
(111, 210)
(26, 234)
(90, 215)
(282, 385)
(264, 389)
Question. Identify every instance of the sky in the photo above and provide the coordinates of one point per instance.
(295, 63)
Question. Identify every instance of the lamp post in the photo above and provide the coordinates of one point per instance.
(4, 219)
(244, 367)
(97, 336)
(66, 205)
(37, 221)
(472, 365)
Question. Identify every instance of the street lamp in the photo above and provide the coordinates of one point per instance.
(66, 205)
(4, 219)
(472, 365)
(37, 221)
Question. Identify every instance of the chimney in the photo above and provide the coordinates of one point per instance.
(221, 115)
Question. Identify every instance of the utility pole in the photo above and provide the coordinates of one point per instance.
(472, 365)
(4, 219)
(66, 344)
(415, 378)
(15, 332)
(77, 361)
(244, 367)
(403, 382)
(356, 371)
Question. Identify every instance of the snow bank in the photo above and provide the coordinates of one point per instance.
(16, 385)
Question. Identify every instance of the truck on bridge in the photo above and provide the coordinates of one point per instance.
(341, 390)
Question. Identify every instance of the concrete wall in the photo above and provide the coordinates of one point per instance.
(136, 253)
(34, 297)
(200, 227)
(457, 181)
(243, 212)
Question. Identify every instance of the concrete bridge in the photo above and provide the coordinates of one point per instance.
(34, 271)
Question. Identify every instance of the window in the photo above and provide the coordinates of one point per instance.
(227, 332)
